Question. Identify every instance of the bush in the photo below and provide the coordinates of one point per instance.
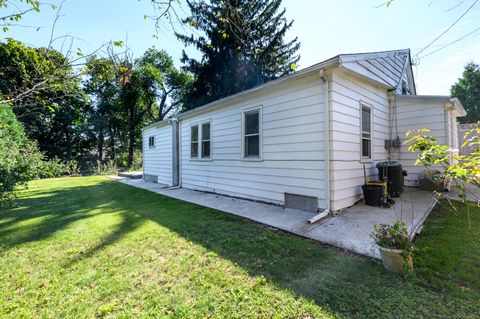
(122, 160)
(53, 168)
(19, 157)
(108, 168)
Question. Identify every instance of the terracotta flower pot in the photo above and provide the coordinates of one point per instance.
(393, 261)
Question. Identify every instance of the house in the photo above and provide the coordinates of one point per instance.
(302, 140)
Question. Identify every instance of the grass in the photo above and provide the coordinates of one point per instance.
(89, 247)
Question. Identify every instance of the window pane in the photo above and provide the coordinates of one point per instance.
(205, 131)
(366, 146)
(194, 136)
(251, 123)
(252, 146)
(194, 150)
(366, 125)
(205, 149)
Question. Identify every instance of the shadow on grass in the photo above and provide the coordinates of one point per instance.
(349, 284)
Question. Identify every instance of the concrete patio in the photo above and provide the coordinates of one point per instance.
(350, 229)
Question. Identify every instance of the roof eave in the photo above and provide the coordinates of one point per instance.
(330, 63)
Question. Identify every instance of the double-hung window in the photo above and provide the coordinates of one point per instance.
(251, 134)
(194, 141)
(366, 131)
(151, 142)
(206, 140)
(200, 141)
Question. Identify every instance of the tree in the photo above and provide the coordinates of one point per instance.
(467, 89)
(128, 93)
(242, 46)
(48, 114)
(171, 84)
(16, 13)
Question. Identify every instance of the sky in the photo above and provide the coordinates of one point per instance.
(324, 29)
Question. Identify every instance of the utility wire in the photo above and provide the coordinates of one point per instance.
(448, 29)
(449, 44)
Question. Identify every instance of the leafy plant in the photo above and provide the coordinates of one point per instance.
(394, 236)
(461, 169)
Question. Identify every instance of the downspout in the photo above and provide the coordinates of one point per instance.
(328, 105)
(175, 153)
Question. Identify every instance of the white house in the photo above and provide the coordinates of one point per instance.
(303, 138)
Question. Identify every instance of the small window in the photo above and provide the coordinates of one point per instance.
(151, 142)
(366, 128)
(206, 140)
(194, 141)
(252, 134)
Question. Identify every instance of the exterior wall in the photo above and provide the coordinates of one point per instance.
(293, 145)
(418, 113)
(157, 161)
(346, 166)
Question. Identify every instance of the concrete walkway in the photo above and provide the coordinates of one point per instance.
(350, 229)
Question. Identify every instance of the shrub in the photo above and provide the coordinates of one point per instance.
(53, 168)
(108, 168)
(19, 157)
(122, 160)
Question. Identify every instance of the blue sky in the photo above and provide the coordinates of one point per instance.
(324, 28)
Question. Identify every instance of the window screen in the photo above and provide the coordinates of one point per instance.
(194, 141)
(366, 123)
(151, 141)
(206, 140)
(252, 134)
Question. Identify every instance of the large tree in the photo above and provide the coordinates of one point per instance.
(129, 93)
(242, 45)
(49, 114)
(467, 89)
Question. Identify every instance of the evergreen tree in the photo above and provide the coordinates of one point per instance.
(242, 46)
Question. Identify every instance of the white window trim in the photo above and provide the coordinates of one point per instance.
(199, 157)
(260, 135)
(365, 159)
(154, 142)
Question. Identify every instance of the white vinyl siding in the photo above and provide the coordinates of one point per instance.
(348, 93)
(157, 160)
(291, 138)
(414, 114)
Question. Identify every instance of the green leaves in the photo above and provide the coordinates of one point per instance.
(118, 44)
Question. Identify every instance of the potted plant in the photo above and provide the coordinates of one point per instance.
(395, 246)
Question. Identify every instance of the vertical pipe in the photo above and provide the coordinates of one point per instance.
(175, 153)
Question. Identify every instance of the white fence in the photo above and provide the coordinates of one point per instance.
(462, 129)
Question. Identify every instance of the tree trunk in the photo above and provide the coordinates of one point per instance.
(131, 144)
(68, 140)
(131, 135)
(101, 140)
(112, 143)
(161, 107)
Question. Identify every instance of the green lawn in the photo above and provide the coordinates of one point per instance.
(89, 247)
